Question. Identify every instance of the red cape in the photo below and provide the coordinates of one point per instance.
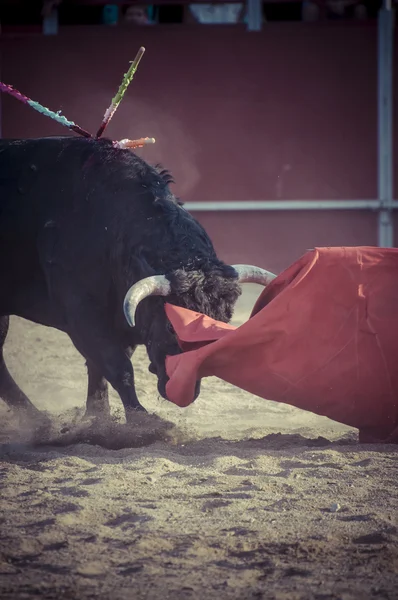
(323, 337)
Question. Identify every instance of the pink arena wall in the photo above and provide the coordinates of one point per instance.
(286, 114)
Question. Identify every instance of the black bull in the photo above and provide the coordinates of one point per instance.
(88, 231)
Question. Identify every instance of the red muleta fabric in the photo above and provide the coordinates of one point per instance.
(323, 337)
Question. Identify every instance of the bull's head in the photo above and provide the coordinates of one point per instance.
(161, 340)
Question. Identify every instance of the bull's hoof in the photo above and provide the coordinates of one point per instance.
(96, 415)
(97, 409)
(131, 413)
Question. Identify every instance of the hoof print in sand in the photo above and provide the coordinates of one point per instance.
(55, 546)
(42, 523)
(212, 504)
(51, 568)
(63, 479)
(295, 572)
(371, 538)
(359, 518)
(67, 507)
(74, 492)
(91, 481)
(130, 569)
(127, 520)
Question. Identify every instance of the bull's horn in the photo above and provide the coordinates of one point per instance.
(251, 274)
(156, 285)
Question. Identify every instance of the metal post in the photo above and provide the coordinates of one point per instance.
(1, 106)
(385, 123)
(254, 15)
(286, 205)
(1, 112)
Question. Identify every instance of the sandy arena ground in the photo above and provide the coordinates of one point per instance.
(235, 497)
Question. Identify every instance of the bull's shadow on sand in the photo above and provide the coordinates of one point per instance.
(72, 435)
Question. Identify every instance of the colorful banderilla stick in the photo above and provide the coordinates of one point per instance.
(8, 89)
(134, 143)
(127, 79)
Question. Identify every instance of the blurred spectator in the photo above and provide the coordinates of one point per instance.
(346, 9)
(139, 15)
(110, 14)
(314, 10)
(220, 14)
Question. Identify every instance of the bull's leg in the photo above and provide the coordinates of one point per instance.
(97, 403)
(109, 358)
(12, 395)
(118, 370)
